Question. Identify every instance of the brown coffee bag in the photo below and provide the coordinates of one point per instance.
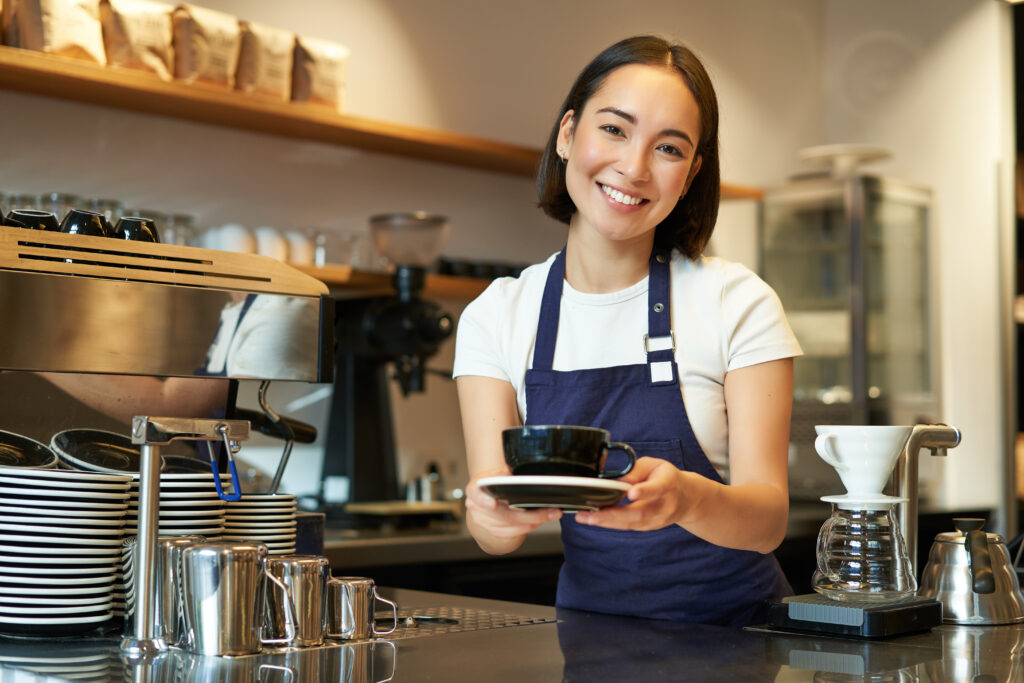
(63, 27)
(265, 61)
(138, 34)
(319, 74)
(7, 35)
(205, 46)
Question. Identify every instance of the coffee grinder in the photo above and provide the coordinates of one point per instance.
(380, 339)
(866, 582)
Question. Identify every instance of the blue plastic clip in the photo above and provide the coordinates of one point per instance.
(237, 495)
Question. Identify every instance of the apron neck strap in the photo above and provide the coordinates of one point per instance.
(658, 342)
(550, 304)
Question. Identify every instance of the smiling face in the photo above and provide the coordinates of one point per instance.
(631, 152)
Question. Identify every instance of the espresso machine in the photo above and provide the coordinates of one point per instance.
(98, 306)
(381, 339)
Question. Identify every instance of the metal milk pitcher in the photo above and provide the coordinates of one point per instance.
(224, 600)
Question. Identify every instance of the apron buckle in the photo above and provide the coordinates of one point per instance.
(659, 347)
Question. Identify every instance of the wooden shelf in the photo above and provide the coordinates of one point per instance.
(80, 81)
(349, 282)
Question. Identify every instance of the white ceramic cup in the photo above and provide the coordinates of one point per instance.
(863, 455)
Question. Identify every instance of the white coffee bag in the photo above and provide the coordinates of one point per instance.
(138, 34)
(265, 61)
(63, 27)
(319, 74)
(205, 46)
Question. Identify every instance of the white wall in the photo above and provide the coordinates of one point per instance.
(921, 77)
(927, 79)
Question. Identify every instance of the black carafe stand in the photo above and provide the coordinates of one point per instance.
(814, 613)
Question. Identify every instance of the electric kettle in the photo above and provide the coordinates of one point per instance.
(970, 572)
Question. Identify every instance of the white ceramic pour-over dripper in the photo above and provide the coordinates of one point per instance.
(864, 456)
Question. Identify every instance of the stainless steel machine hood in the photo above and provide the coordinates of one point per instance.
(73, 303)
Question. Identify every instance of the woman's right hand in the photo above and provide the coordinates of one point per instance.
(497, 528)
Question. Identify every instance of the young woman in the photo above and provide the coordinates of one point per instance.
(630, 329)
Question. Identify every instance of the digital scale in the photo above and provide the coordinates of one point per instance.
(814, 613)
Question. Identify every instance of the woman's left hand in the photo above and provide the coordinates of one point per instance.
(661, 494)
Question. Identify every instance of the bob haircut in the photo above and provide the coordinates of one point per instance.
(688, 228)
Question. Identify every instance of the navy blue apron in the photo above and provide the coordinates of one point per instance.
(664, 574)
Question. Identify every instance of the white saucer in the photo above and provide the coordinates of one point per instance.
(876, 500)
(53, 529)
(59, 581)
(12, 511)
(60, 494)
(255, 536)
(571, 494)
(50, 541)
(76, 522)
(69, 475)
(24, 555)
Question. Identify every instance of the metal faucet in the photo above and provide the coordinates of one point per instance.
(937, 438)
(149, 433)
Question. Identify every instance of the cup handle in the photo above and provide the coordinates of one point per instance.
(394, 612)
(346, 603)
(823, 445)
(289, 619)
(625, 470)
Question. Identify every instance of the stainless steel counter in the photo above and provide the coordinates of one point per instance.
(503, 641)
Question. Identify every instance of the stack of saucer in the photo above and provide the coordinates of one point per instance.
(189, 505)
(267, 518)
(60, 536)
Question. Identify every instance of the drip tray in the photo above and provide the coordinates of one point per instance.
(434, 621)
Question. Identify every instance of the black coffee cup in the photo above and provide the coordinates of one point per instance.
(562, 450)
(82, 222)
(136, 228)
(31, 219)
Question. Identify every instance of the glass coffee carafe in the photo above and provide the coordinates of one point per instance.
(862, 555)
(861, 552)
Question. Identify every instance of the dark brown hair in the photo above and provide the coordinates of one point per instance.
(689, 226)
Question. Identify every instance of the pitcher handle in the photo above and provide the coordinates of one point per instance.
(823, 534)
(289, 617)
(823, 446)
(394, 612)
(629, 466)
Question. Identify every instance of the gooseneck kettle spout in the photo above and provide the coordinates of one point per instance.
(937, 438)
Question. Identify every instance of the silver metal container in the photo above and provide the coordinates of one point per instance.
(224, 599)
(970, 572)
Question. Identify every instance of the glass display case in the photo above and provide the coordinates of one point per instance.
(849, 258)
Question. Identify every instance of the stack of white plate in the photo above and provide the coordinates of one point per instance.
(60, 539)
(267, 518)
(189, 505)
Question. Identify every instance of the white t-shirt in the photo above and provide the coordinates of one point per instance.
(723, 315)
